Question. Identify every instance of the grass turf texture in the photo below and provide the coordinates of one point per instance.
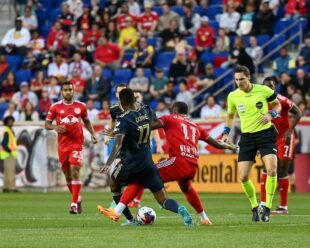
(42, 220)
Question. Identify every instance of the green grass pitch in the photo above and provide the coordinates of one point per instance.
(42, 220)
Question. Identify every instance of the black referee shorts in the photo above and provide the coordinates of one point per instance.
(263, 141)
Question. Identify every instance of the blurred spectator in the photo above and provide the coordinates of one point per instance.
(76, 7)
(11, 111)
(264, 19)
(185, 96)
(78, 83)
(255, 51)
(4, 68)
(229, 19)
(82, 66)
(16, 40)
(167, 16)
(169, 96)
(208, 77)
(211, 109)
(92, 36)
(97, 88)
(161, 109)
(55, 36)
(178, 67)
(8, 87)
(303, 108)
(58, 68)
(303, 80)
(143, 55)
(75, 37)
(91, 110)
(66, 49)
(85, 20)
(38, 83)
(86, 55)
(24, 96)
(204, 38)
(29, 20)
(124, 16)
(171, 36)
(293, 94)
(104, 114)
(112, 32)
(54, 89)
(222, 42)
(273, 5)
(283, 63)
(95, 8)
(305, 49)
(103, 19)
(108, 54)
(128, 35)
(29, 113)
(194, 65)
(140, 82)
(112, 7)
(134, 8)
(285, 79)
(148, 21)
(190, 22)
(37, 43)
(66, 18)
(30, 62)
(296, 8)
(159, 84)
(246, 23)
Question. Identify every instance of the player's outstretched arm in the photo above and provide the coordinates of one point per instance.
(50, 126)
(156, 124)
(221, 144)
(90, 129)
(274, 113)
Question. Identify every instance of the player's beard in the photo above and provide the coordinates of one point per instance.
(68, 98)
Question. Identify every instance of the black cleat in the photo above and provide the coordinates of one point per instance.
(265, 215)
(255, 216)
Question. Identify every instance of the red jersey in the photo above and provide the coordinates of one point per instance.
(121, 20)
(182, 135)
(204, 37)
(282, 123)
(79, 84)
(108, 53)
(147, 21)
(69, 116)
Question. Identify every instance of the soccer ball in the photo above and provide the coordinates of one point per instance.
(146, 216)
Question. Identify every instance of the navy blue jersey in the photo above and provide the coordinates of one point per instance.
(135, 125)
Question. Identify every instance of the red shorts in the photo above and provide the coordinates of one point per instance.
(177, 169)
(70, 157)
(286, 152)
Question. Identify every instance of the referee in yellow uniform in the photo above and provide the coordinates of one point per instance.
(251, 101)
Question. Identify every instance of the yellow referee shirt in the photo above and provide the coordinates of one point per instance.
(251, 107)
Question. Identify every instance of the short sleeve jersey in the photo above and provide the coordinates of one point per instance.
(282, 123)
(182, 135)
(69, 116)
(135, 125)
(251, 107)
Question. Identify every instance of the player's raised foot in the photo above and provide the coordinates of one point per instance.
(265, 215)
(280, 210)
(206, 222)
(133, 222)
(134, 204)
(188, 221)
(109, 212)
(255, 214)
(73, 209)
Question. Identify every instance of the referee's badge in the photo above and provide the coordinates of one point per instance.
(259, 105)
(241, 108)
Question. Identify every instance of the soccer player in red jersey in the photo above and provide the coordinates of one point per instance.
(285, 146)
(68, 114)
(181, 166)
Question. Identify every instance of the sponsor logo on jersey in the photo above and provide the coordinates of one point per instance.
(70, 119)
(77, 110)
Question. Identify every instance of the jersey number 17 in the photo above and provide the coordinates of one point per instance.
(144, 132)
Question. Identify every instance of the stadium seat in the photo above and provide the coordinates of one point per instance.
(219, 71)
(293, 31)
(214, 10)
(206, 57)
(148, 73)
(191, 40)
(14, 61)
(158, 10)
(57, 3)
(281, 25)
(219, 58)
(164, 59)
(155, 42)
(200, 11)
(178, 9)
(54, 14)
(102, 3)
(215, 2)
(280, 39)
(107, 73)
(45, 30)
(41, 16)
(23, 76)
(3, 108)
(47, 4)
(122, 76)
(246, 39)
(215, 25)
(262, 39)
(128, 56)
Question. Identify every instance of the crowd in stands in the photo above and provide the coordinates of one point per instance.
(166, 49)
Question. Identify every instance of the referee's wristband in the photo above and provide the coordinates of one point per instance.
(274, 114)
(226, 130)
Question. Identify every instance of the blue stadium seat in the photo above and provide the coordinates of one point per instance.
(155, 42)
(178, 9)
(304, 25)
(107, 73)
(45, 30)
(122, 76)
(206, 57)
(23, 76)
(219, 58)
(14, 61)
(102, 3)
(214, 10)
(54, 14)
(215, 2)
(158, 10)
(246, 39)
(3, 108)
(215, 25)
(164, 59)
(219, 71)
(41, 16)
(191, 40)
(262, 39)
(281, 25)
(273, 45)
(148, 73)
(47, 4)
(200, 10)
(128, 56)
(58, 3)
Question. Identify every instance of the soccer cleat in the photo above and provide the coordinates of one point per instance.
(255, 214)
(265, 215)
(79, 207)
(134, 204)
(109, 212)
(206, 222)
(280, 210)
(133, 222)
(73, 210)
(188, 221)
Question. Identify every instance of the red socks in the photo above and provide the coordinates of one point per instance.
(193, 198)
(130, 193)
(139, 195)
(283, 188)
(263, 187)
(76, 188)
